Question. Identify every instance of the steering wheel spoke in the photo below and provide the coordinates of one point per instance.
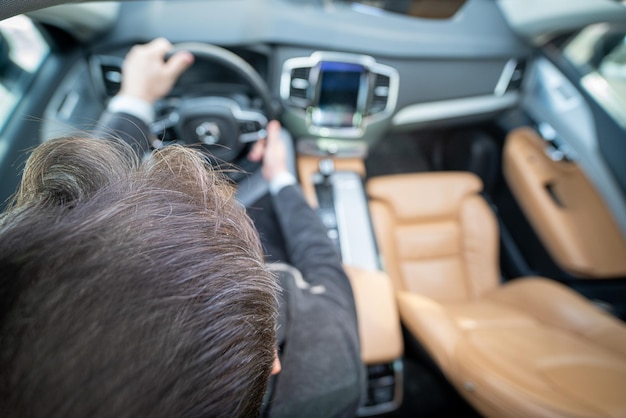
(168, 122)
(252, 136)
(220, 125)
(251, 126)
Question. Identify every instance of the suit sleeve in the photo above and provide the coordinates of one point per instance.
(308, 247)
(322, 370)
(127, 127)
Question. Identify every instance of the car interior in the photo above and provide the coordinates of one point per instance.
(468, 158)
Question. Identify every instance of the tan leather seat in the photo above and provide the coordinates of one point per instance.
(529, 348)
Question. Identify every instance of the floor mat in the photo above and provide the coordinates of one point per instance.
(426, 394)
(401, 153)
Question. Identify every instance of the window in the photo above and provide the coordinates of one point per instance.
(429, 9)
(599, 52)
(22, 50)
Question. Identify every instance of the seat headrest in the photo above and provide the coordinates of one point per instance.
(424, 195)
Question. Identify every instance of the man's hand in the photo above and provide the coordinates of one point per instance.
(272, 151)
(147, 76)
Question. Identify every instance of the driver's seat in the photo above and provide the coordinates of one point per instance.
(529, 347)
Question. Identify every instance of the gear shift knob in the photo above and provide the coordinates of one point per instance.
(327, 168)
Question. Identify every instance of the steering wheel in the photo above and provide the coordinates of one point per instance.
(218, 124)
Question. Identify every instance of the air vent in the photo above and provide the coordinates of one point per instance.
(112, 78)
(518, 76)
(299, 86)
(511, 78)
(107, 74)
(380, 94)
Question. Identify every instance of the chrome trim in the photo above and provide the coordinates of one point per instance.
(455, 108)
(398, 373)
(253, 136)
(556, 149)
(238, 113)
(304, 106)
(322, 147)
(505, 77)
(356, 237)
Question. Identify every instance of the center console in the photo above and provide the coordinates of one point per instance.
(345, 212)
(334, 186)
(341, 90)
(337, 102)
(337, 105)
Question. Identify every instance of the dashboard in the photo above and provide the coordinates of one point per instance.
(347, 75)
(337, 95)
(343, 76)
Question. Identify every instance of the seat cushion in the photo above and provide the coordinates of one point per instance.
(437, 235)
(509, 362)
(539, 371)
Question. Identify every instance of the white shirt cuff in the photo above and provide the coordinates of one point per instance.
(134, 106)
(281, 181)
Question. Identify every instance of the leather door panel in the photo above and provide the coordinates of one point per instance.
(563, 207)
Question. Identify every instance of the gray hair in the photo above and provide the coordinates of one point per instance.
(131, 288)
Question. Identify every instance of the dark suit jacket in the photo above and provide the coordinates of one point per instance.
(322, 373)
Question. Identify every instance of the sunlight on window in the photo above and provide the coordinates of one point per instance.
(27, 45)
(599, 52)
(22, 50)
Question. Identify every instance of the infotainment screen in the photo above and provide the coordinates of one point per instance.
(339, 85)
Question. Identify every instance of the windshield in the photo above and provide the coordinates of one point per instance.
(432, 9)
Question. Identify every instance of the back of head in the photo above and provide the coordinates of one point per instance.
(131, 289)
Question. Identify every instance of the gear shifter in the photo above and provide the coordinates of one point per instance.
(324, 192)
(326, 168)
(324, 183)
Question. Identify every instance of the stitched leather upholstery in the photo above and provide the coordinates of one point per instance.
(531, 347)
(564, 208)
(438, 244)
(379, 323)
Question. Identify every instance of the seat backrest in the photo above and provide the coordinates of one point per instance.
(437, 235)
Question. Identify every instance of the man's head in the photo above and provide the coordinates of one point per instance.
(131, 289)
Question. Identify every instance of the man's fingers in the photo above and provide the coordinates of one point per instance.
(178, 63)
(257, 151)
(161, 45)
(273, 129)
